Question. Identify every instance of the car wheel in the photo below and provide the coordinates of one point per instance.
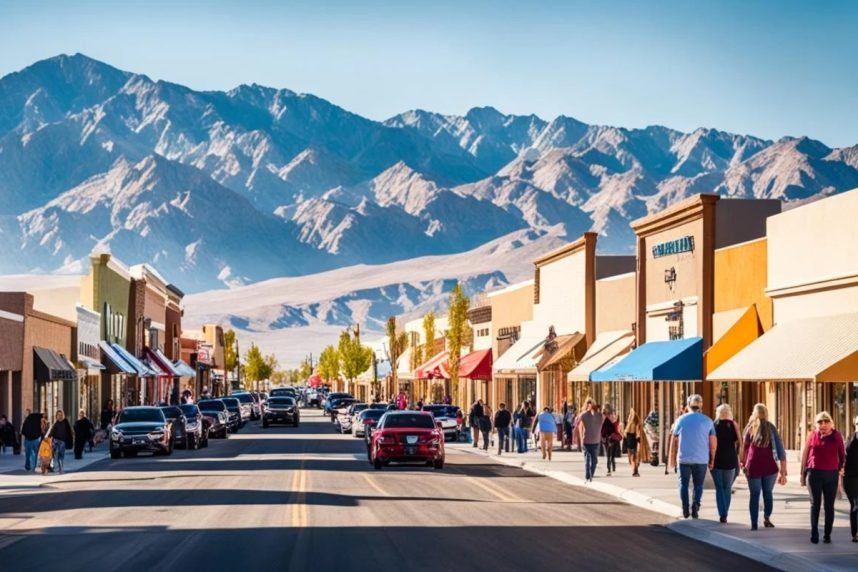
(439, 464)
(186, 442)
(295, 423)
(377, 464)
(130, 453)
(115, 453)
(169, 448)
(265, 424)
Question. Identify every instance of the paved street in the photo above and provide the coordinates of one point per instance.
(307, 499)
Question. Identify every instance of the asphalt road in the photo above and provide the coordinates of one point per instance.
(306, 499)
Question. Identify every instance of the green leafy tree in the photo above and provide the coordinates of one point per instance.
(397, 343)
(354, 357)
(271, 366)
(305, 371)
(329, 363)
(457, 336)
(429, 336)
(257, 367)
(230, 350)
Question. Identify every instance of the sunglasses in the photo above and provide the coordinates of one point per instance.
(823, 421)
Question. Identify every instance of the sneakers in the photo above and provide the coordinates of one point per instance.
(695, 511)
(685, 513)
(723, 520)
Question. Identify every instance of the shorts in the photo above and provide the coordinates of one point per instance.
(632, 442)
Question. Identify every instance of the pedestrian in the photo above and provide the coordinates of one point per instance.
(7, 435)
(728, 458)
(547, 428)
(62, 438)
(821, 461)
(503, 419)
(651, 430)
(107, 415)
(590, 435)
(474, 415)
(84, 431)
(612, 436)
(517, 433)
(419, 405)
(762, 447)
(850, 480)
(568, 424)
(693, 442)
(31, 433)
(485, 425)
(633, 437)
(448, 400)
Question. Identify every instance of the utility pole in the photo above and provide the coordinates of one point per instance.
(237, 364)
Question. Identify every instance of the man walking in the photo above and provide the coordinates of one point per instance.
(590, 435)
(503, 418)
(31, 432)
(693, 438)
(474, 416)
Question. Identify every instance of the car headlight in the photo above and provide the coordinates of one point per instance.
(156, 434)
(192, 425)
(116, 434)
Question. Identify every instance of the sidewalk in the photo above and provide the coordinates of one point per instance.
(13, 477)
(787, 546)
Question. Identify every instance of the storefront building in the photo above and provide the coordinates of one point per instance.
(808, 360)
(511, 307)
(87, 358)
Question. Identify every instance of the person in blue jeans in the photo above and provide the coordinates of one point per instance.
(762, 446)
(727, 458)
(31, 432)
(693, 444)
(590, 428)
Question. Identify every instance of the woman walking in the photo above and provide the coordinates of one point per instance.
(62, 437)
(633, 435)
(762, 445)
(568, 424)
(850, 480)
(611, 437)
(83, 434)
(821, 462)
(727, 459)
(107, 415)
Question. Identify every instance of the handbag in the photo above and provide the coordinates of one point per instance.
(46, 449)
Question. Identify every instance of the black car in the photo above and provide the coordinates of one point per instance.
(281, 410)
(284, 392)
(215, 410)
(178, 424)
(141, 429)
(198, 426)
(233, 405)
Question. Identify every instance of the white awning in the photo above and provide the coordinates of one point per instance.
(606, 347)
(824, 348)
(403, 365)
(523, 355)
(92, 366)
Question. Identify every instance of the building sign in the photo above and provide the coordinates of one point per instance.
(684, 244)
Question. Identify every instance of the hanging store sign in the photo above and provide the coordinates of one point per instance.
(684, 244)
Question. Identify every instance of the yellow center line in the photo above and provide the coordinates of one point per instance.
(494, 490)
(299, 507)
(374, 485)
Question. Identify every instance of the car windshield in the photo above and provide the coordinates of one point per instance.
(440, 410)
(343, 402)
(189, 410)
(372, 414)
(213, 405)
(416, 420)
(283, 391)
(243, 397)
(171, 412)
(150, 414)
(283, 401)
(231, 402)
(381, 406)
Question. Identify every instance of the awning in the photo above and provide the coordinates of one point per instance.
(522, 356)
(607, 347)
(676, 360)
(183, 369)
(91, 366)
(157, 357)
(138, 366)
(476, 365)
(435, 367)
(51, 366)
(114, 362)
(812, 349)
(403, 365)
(743, 331)
(566, 344)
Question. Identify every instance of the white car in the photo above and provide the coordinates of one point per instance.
(448, 416)
(345, 414)
(363, 420)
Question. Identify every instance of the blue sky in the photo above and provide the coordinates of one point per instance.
(766, 68)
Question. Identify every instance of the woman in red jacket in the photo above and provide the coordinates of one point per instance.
(821, 465)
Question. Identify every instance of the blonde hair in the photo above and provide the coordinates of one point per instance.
(633, 422)
(724, 411)
(823, 416)
(759, 427)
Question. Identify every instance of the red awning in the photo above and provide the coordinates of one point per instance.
(159, 361)
(314, 380)
(435, 368)
(476, 365)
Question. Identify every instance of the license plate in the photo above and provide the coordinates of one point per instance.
(411, 450)
(139, 440)
(411, 439)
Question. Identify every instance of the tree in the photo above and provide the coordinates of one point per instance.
(271, 365)
(457, 336)
(354, 357)
(396, 346)
(429, 336)
(329, 363)
(230, 350)
(305, 371)
(256, 366)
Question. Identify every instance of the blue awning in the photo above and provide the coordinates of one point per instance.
(184, 369)
(676, 360)
(139, 367)
(113, 361)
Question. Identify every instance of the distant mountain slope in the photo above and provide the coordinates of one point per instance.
(226, 188)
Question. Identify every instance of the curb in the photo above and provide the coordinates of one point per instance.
(690, 529)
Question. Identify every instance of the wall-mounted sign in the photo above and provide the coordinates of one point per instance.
(684, 244)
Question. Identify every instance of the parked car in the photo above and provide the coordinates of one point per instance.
(326, 405)
(407, 436)
(346, 414)
(178, 425)
(284, 392)
(215, 410)
(340, 406)
(246, 403)
(260, 398)
(233, 406)
(141, 429)
(281, 410)
(364, 420)
(198, 426)
(448, 415)
(314, 398)
(379, 405)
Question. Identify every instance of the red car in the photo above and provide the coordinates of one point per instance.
(407, 436)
